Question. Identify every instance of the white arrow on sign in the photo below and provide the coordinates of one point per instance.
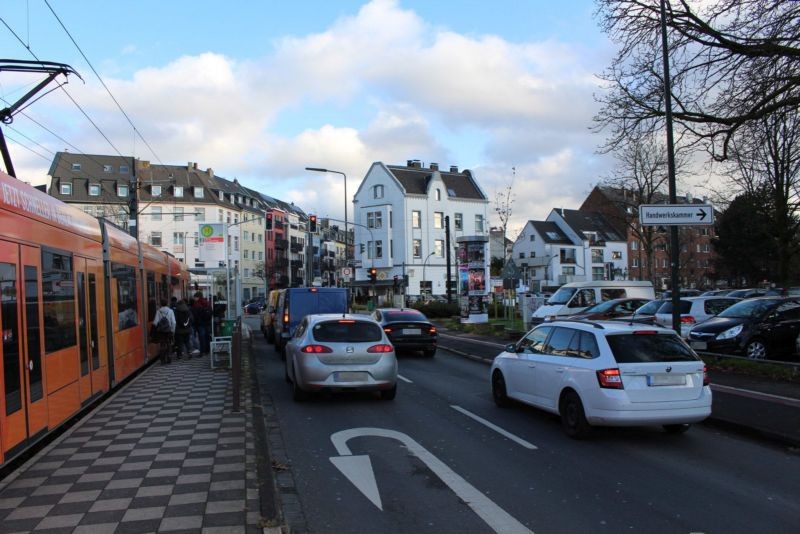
(358, 469)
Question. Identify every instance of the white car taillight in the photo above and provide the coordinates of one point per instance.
(609, 379)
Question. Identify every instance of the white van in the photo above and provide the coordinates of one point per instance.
(577, 296)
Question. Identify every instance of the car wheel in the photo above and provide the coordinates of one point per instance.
(270, 335)
(282, 350)
(499, 393)
(677, 429)
(389, 394)
(298, 394)
(756, 349)
(286, 372)
(573, 418)
(429, 353)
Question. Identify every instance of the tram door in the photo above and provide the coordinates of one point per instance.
(88, 343)
(23, 405)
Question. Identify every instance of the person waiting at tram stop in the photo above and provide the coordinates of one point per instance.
(164, 331)
(184, 325)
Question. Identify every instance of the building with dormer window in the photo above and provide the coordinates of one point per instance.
(400, 214)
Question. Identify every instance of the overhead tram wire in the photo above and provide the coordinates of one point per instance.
(136, 130)
(61, 86)
(31, 140)
(26, 147)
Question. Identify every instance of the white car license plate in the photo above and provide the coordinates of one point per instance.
(350, 376)
(411, 331)
(666, 380)
(699, 345)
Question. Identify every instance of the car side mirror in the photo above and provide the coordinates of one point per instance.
(511, 347)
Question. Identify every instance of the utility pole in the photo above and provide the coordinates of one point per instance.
(447, 248)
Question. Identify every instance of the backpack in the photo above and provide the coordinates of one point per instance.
(162, 327)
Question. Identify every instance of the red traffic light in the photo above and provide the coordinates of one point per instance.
(312, 223)
(269, 221)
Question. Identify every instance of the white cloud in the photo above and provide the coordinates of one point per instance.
(416, 86)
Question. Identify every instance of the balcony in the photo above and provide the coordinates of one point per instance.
(297, 264)
(296, 247)
(279, 225)
(281, 244)
(280, 263)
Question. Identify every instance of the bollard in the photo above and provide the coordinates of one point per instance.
(236, 354)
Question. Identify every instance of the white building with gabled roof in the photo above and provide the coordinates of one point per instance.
(400, 214)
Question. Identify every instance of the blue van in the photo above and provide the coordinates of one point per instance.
(297, 302)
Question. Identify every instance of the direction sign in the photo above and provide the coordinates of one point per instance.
(675, 214)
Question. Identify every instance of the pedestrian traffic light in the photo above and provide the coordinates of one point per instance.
(312, 223)
(269, 221)
(373, 274)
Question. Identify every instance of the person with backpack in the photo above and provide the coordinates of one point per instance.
(164, 330)
(183, 328)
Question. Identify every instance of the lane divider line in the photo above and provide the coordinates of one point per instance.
(755, 394)
(404, 379)
(494, 427)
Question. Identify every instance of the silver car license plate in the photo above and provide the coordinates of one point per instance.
(412, 331)
(666, 380)
(699, 345)
(350, 376)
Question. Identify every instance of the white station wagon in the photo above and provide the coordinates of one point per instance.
(605, 373)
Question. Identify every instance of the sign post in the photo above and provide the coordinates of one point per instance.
(676, 214)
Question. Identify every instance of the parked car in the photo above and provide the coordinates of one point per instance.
(694, 310)
(610, 309)
(747, 293)
(295, 303)
(783, 292)
(606, 373)
(683, 293)
(338, 352)
(763, 327)
(407, 329)
(575, 297)
(255, 306)
(645, 314)
(716, 293)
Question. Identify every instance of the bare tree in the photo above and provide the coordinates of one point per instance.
(503, 205)
(732, 62)
(640, 177)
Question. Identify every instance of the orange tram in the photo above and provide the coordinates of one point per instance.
(77, 295)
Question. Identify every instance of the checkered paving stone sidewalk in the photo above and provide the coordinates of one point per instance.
(165, 454)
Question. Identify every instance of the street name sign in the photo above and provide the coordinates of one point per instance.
(675, 214)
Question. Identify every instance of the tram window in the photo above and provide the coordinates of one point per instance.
(93, 321)
(11, 367)
(34, 336)
(58, 298)
(125, 276)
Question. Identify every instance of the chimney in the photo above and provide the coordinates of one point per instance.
(417, 164)
(409, 163)
(210, 172)
(189, 166)
(434, 166)
(194, 165)
(688, 198)
(453, 168)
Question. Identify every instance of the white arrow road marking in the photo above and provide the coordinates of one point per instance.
(358, 469)
(494, 516)
(494, 427)
(404, 379)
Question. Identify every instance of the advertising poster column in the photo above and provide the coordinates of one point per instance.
(473, 273)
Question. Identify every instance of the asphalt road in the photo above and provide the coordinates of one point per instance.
(438, 469)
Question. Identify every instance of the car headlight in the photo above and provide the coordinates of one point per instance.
(731, 333)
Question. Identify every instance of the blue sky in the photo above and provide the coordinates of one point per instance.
(258, 90)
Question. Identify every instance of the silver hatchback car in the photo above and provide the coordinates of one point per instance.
(338, 352)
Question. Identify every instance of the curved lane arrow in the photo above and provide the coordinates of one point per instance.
(358, 469)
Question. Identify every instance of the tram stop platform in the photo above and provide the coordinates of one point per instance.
(166, 453)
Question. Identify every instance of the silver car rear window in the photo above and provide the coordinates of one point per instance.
(639, 348)
(344, 330)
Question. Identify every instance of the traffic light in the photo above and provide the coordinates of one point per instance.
(373, 274)
(396, 282)
(269, 221)
(312, 223)
(361, 246)
(133, 206)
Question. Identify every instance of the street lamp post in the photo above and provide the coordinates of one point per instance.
(425, 264)
(344, 176)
